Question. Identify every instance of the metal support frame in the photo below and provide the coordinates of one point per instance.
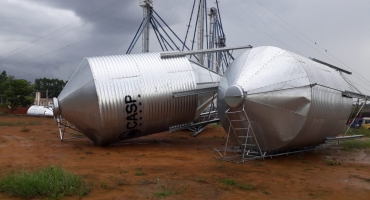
(62, 126)
(354, 118)
(200, 34)
(246, 152)
(147, 6)
(217, 61)
(186, 53)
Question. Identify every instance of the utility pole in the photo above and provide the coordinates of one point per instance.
(147, 6)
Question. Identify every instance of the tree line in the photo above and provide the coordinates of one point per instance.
(20, 92)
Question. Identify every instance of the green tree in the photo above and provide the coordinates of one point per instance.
(3, 78)
(54, 86)
(18, 92)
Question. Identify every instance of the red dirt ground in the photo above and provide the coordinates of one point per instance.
(183, 164)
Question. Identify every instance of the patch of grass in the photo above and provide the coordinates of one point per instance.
(140, 173)
(11, 123)
(25, 129)
(104, 185)
(355, 144)
(362, 131)
(266, 192)
(245, 186)
(148, 182)
(53, 182)
(214, 125)
(122, 182)
(229, 182)
(332, 162)
(234, 183)
(199, 180)
(164, 191)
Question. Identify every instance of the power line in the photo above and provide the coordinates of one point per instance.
(276, 39)
(364, 79)
(50, 52)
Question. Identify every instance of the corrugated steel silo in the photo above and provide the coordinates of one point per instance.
(40, 111)
(291, 101)
(111, 98)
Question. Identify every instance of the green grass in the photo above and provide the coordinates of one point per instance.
(11, 123)
(360, 131)
(104, 185)
(266, 192)
(232, 182)
(199, 180)
(20, 123)
(53, 182)
(148, 182)
(229, 182)
(333, 162)
(355, 144)
(140, 174)
(164, 191)
(121, 182)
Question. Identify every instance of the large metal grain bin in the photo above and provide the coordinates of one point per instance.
(111, 98)
(289, 101)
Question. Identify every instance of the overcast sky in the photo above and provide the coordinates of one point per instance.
(48, 38)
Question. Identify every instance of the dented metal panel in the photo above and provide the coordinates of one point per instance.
(291, 101)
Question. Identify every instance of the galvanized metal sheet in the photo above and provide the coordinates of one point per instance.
(286, 97)
(111, 98)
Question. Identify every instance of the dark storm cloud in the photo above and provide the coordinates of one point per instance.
(101, 27)
(90, 28)
(103, 14)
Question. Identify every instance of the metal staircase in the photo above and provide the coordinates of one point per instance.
(249, 148)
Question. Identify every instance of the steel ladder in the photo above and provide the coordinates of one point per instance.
(239, 133)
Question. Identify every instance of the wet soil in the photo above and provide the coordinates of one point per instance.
(183, 166)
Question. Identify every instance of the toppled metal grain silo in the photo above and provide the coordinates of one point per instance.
(270, 99)
(35, 110)
(112, 98)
